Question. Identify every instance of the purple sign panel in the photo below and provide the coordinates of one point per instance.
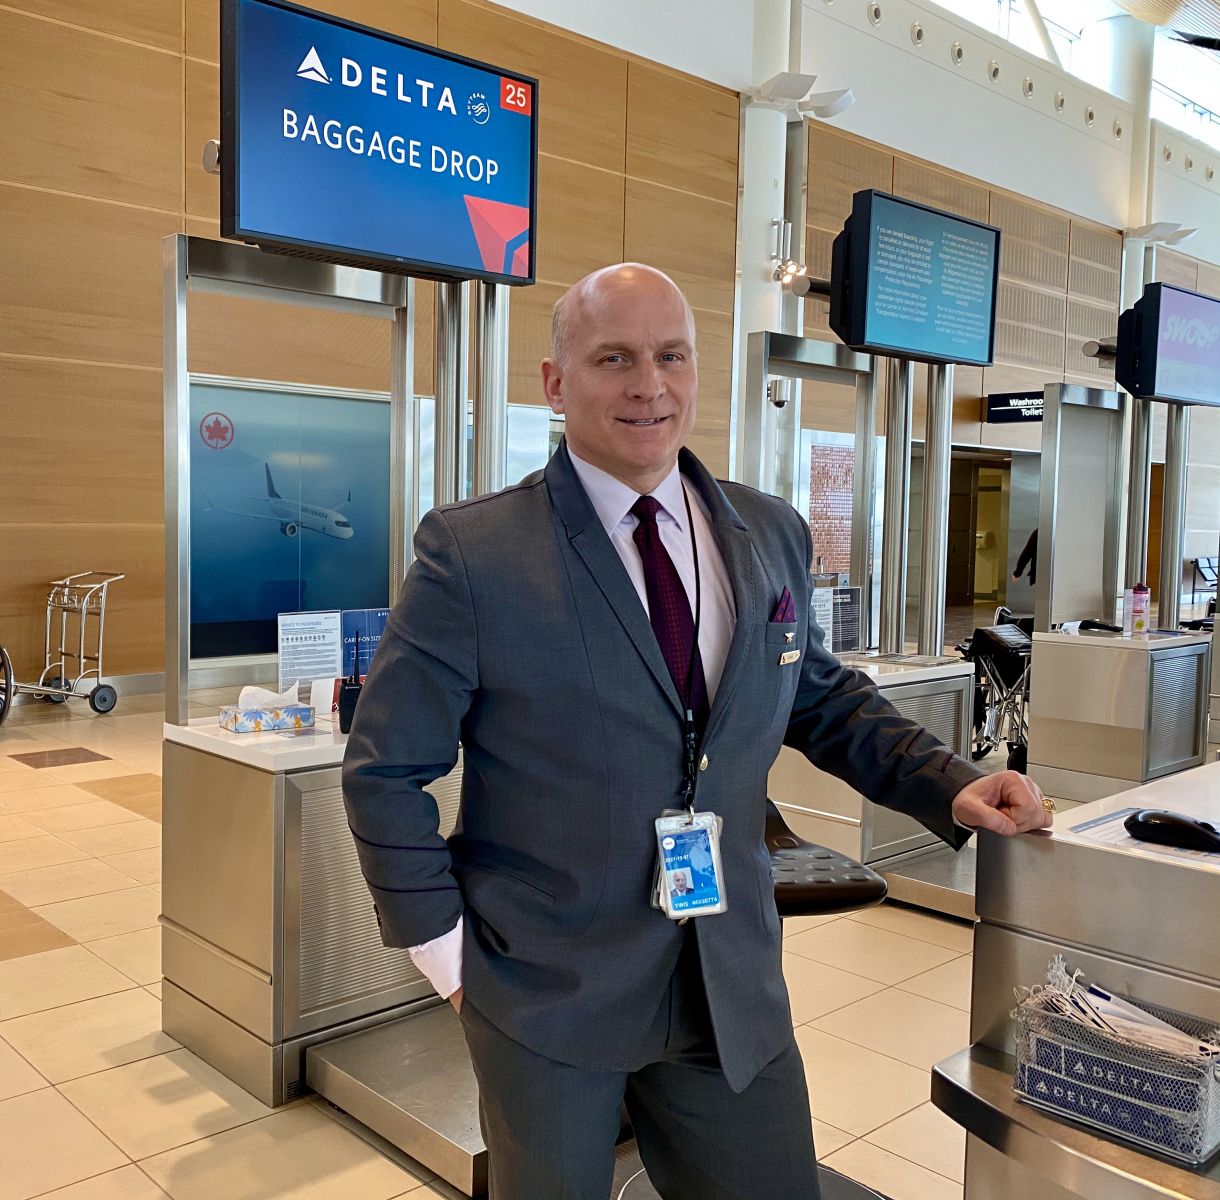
(1188, 347)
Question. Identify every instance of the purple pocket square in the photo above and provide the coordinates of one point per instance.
(785, 610)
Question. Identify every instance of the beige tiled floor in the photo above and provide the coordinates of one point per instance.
(96, 1103)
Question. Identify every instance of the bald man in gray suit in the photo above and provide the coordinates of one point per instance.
(571, 633)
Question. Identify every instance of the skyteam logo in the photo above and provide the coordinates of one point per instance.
(311, 67)
(476, 108)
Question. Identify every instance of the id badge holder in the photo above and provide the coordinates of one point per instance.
(690, 879)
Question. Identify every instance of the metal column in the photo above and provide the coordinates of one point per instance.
(404, 483)
(1139, 474)
(490, 387)
(176, 387)
(896, 512)
(863, 493)
(449, 477)
(1173, 516)
(936, 454)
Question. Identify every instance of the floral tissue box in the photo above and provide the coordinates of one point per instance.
(263, 720)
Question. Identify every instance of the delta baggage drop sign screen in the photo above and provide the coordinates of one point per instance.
(914, 282)
(349, 144)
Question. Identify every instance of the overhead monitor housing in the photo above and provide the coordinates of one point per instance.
(347, 144)
(1169, 346)
(911, 281)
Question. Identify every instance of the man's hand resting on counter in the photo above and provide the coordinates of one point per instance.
(1006, 803)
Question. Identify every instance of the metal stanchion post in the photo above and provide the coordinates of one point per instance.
(936, 455)
(491, 387)
(1173, 519)
(901, 381)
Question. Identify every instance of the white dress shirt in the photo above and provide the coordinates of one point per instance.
(440, 960)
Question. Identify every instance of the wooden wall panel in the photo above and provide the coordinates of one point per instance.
(1096, 268)
(38, 553)
(580, 219)
(153, 22)
(690, 238)
(415, 19)
(1088, 322)
(1209, 279)
(202, 190)
(953, 193)
(255, 339)
(82, 279)
(80, 441)
(840, 166)
(80, 321)
(582, 88)
(1176, 268)
(89, 115)
(529, 340)
(681, 133)
(1033, 242)
(1029, 328)
(710, 439)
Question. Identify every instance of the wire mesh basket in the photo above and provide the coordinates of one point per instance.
(1152, 1097)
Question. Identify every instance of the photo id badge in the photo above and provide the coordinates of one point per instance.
(688, 865)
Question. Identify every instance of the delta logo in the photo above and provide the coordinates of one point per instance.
(381, 82)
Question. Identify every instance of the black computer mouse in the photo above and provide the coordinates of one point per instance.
(1172, 829)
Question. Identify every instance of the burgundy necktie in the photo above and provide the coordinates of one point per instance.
(669, 609)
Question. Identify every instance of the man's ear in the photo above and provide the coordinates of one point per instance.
(552, 385)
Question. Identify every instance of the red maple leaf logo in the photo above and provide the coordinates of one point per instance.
(216, 430)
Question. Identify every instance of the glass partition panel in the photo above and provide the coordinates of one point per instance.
(290, 500)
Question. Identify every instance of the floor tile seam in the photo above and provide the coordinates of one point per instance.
(68, 1003)
(872, 1050)
(884, 982)
(906, 1157)
(107, 962)
(913, 936)
(102, 1133)
(33, 838)
(113, 1066)
(16, 1050)
(275, 1112)
(840, 1007)
(907, 992)
(863, 1137)
(135, 883)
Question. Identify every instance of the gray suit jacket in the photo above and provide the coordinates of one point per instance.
(519, 634)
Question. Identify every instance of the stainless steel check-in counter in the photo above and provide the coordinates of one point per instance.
(1109, 712)
(919, 868)
(269, 939)
(1134, 918)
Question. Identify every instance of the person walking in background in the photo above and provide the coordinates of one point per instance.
(1028, 558)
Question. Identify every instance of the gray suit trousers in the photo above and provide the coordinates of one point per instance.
(550, 1128)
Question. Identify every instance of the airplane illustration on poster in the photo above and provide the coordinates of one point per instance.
(292, 515)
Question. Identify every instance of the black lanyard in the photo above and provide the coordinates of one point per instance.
(691, 734)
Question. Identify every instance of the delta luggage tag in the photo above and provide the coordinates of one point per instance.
(690, 875)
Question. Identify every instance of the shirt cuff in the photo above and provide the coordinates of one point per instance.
(440, 961)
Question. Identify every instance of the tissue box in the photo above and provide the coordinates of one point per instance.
(263, 720)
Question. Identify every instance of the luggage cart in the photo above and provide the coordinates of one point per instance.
(76, 616)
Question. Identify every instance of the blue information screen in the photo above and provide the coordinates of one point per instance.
(931, 282)
(367, 148)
